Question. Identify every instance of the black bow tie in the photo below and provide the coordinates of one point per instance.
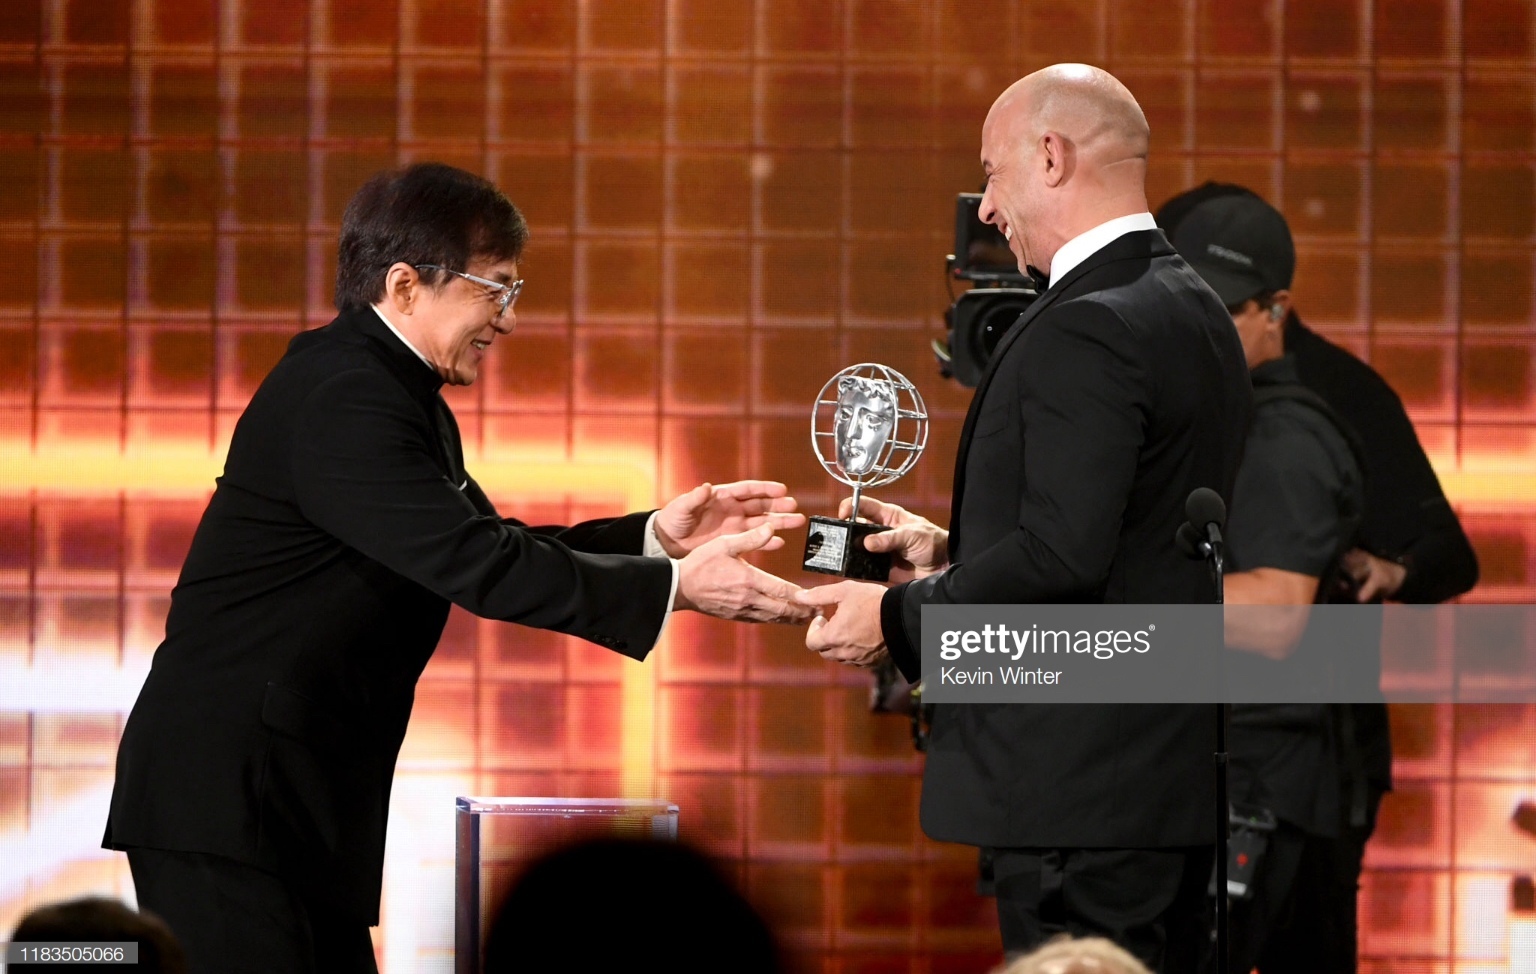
(1041, 280)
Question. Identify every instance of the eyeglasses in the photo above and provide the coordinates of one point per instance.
(507, 292)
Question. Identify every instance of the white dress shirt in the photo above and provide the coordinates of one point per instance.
(1085, 245)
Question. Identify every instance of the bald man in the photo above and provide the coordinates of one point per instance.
(1121, 390)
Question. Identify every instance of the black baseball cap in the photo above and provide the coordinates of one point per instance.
(1237, 242)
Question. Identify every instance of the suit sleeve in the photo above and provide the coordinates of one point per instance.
(1440, 562)
(1407, 516)
(1082, 401)
(606, 536)
(364, 471)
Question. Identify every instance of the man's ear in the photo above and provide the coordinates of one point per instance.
(402, 288)
(1280, 305)
(1056, 157)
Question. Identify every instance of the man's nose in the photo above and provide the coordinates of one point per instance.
(987, 211)
(506, 322)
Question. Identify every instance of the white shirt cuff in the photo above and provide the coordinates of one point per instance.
(653, 549)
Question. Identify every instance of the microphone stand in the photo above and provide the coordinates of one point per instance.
(1200, 537)
(1216, 560)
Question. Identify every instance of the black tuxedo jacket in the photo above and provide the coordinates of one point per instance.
(315, 590)
(1119, 391)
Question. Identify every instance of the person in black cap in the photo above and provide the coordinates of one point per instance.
(1410, 547)
(1413, 548)
(1295, 510)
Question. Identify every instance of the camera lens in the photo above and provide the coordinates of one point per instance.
(995, 324)
(979, 320)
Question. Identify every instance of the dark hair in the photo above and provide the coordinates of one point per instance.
(662, 905)
(96, 919)
(1264, 299)
(426, 213)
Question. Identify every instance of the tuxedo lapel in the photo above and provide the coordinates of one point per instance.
(1032, 312)
(1138, 243)
(1012, 335)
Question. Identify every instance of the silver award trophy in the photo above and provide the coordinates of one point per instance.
(868, 428)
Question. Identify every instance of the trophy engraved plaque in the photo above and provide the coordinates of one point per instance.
(868, 428)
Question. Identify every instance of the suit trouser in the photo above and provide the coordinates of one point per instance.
(231, 918)
(1149, 901)
(1301, 919)
(1345, 859)
(1309, 923)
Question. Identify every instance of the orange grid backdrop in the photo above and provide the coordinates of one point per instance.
(730, 200)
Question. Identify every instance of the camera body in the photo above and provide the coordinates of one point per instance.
(980, 317)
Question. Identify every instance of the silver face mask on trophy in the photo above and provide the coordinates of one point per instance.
(866, 412)
(874, 421)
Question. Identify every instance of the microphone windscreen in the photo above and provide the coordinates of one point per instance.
(1205, 507)
(1189, 538)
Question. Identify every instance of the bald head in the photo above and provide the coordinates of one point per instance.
(1088, 106)
(1064, 149)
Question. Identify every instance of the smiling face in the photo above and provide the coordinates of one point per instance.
(455, 325)
(1007, 201)
(1064, 150)
(865, 414)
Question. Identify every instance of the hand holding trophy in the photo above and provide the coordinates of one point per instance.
(876, 426)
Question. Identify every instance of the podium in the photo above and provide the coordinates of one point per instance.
(497, 837)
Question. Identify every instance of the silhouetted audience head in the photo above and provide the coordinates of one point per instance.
(1064, 955)
(614, 904)
(96, 919)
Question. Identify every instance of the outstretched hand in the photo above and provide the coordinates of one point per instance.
(918, 547)
(709, 511)
(713, 579)
(846, 628)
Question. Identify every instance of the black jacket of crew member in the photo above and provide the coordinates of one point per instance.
(1296, 507)
(1407, 516)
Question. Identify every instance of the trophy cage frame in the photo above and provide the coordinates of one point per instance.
(834, 546)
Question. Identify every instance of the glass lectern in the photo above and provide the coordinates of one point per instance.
(497, 837)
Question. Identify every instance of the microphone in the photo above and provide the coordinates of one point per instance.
(1200, 536)
(1190, 541)
(1207, 513)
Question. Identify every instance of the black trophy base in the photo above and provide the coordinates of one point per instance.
(836, 547)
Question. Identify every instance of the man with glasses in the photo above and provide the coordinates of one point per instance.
(254, 772)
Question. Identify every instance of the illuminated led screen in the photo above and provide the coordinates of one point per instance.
(730, 201)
